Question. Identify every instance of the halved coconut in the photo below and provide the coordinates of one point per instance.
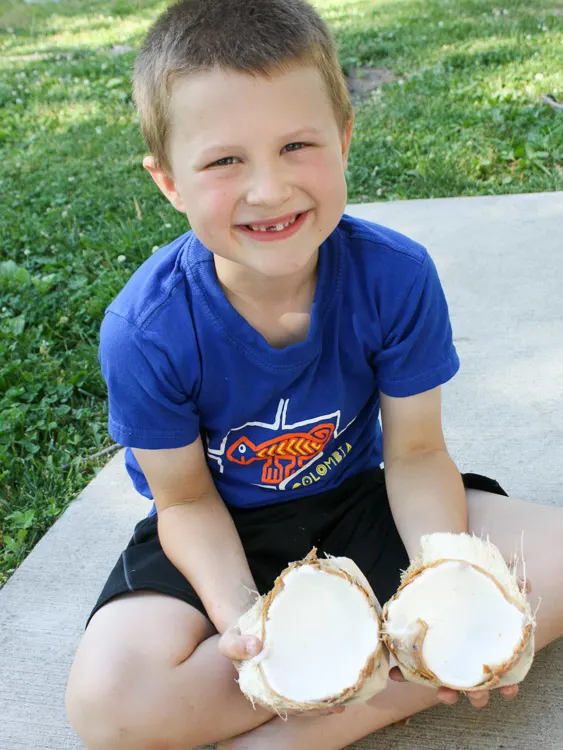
(320, 630)
(459, 618)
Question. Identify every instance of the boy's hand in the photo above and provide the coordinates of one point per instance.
(477, 698)
(237, 647)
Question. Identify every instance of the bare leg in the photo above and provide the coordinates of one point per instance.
(516, 525)
(504, 520)
(148, 676)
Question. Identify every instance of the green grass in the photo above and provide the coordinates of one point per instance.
(464, 117)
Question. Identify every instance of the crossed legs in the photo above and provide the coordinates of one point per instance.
(148, 675)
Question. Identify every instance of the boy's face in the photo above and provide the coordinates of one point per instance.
(249, 154)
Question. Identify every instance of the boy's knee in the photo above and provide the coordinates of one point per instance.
(105, 708)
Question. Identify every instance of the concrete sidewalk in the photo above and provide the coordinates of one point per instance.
(501, 263)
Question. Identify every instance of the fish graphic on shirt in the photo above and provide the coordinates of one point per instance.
(282, 454)
(272, 453)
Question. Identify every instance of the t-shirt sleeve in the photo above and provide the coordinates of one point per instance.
(150, 402)
(417, 351)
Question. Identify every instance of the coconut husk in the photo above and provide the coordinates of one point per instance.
(486, 559)
(252, 679)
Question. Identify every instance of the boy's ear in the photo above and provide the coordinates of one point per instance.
(346, 138)
(165, 183)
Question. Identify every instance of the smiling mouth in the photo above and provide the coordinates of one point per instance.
(274, 227)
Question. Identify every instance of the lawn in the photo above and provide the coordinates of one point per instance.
(462, 115)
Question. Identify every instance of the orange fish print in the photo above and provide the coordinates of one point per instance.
(282, 454)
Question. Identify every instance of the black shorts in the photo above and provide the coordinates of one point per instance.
(353, 520)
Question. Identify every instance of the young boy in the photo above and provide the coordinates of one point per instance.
(247, 363)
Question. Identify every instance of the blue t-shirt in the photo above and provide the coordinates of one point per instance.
(277, 424)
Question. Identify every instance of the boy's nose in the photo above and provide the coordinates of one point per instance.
(268, 188)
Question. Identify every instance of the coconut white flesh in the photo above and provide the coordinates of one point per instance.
(473, 549)
(350, 567)
(377, 681)
(319, 634)
(471, 624)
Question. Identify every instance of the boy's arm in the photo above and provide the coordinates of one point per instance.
(197, 532)
(425, 489)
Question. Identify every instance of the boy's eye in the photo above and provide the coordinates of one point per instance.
(295, 146)
(226, 161)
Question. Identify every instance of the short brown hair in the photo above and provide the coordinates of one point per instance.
(249, 36)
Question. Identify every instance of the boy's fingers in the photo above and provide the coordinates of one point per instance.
(445, 695)
(478, 698)
(448, 696)
(509, 691)
(235, 646)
